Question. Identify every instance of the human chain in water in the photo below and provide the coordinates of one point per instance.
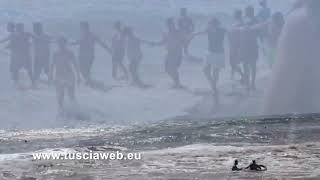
(251, 36)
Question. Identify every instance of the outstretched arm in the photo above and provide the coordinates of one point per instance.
(193, 35)
(150, 43)
(103, 45)
(5, 39)
(162, 42)
(76, 67)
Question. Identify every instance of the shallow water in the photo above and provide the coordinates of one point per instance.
(172, 149)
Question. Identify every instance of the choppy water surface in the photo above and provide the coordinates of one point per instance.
(173, 149)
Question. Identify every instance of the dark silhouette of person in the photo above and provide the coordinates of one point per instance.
(256, 167)
(41, 51)
(234, 34)
(173, 41)
(64, 72)
(235, 166)
(134, 55)
(86, 54)
(11, 29)
(263, 16)
(216, 53)
(249, 50)
(20, 45)
(186, 27)
(118, 51)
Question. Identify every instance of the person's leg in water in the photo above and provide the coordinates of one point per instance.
(172, 68)
(114, 68)
(246, 75)
(235, 68)
(212, 75)
(14, 69)
(186, 47)
(253, 67)
(123, 68)
(207, 70)
(28, 68)
(71, 93)
(85, 66)
(133, 67)
(60, 96)
(37, 68)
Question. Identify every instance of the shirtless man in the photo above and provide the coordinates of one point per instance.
(186, 27)
(135, 55)
(118, 51)
(234, 44)
(256, 167)
(22, 51)
(87, 43)
(41, 51)
(173, 41)
(11, 28)
(64, 72)
(249, 50)
(263, 16)
(294, 85)
(215, 59)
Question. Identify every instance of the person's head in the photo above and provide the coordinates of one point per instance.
(171, 24)
(62, 43)
(20, 27)
(253, 161)
(236, 162)
(263, 3)
(37, 28)
(249, 12)
(214, 23)
(85, 27)
(117, 26)
(237, 15)
(11, 27)
(278, 19)
(129, 31)
(183, 12)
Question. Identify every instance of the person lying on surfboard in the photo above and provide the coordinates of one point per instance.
(256, 167)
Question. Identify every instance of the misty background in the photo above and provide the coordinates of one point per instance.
(125, 104)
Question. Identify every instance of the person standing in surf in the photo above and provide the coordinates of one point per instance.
(249, 50)
(64, 71)
(87, 43)
(173, 41)
(118, 51)
(41, 51)
(234, 44)
(22, 46)
(294, 86)
(134, 55)
(216, 57)
(263, 16)
(11, 29)
(273, 31)
(186, 28)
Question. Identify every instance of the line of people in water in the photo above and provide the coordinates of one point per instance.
(65, 69)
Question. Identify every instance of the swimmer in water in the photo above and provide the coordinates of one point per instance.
(256, 167)
(235, 166)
